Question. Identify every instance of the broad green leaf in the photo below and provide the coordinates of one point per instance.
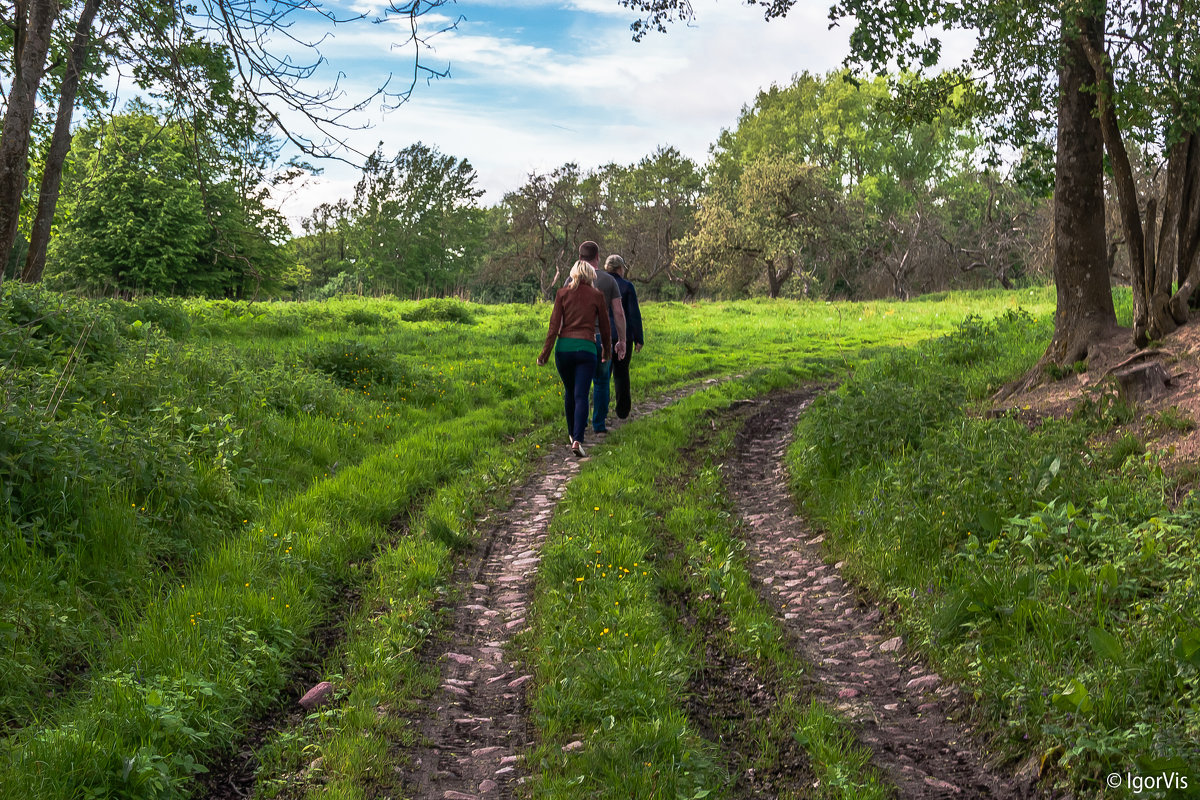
(1106, 645)
(1074, 698)
(1187, 647)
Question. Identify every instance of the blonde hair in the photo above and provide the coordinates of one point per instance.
(582, 272)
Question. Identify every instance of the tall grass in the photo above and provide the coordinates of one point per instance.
(1036, 564)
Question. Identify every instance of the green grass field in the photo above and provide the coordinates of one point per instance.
(191, 487)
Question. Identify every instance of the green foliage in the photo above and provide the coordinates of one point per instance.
(441, 310)
(140, 215)
(778, 219)
(847, 127)
(365, 318)
(357, 365)
(918, 210)
(1044, 572)
(895, 401)
(413, 227)
(1172, 419)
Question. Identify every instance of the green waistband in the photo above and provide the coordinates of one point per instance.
(568, 345)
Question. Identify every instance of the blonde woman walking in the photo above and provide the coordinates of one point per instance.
(578, 309)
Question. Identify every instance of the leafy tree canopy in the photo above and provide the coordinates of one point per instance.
(850, 130)
(140, 215)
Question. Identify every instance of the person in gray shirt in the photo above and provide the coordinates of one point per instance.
(590, 252)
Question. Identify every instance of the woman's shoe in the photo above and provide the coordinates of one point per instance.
(577, 449)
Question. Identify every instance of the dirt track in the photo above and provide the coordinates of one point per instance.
(901, 710)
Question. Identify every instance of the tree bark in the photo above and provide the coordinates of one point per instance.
(29, 65)
(60, 145)
(1085, 313)
(773, 281)
(1189, 229)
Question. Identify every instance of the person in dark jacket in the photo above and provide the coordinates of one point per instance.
(615, 266)
(578, 310)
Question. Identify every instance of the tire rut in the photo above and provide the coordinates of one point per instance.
(474, 738)
(902, 710)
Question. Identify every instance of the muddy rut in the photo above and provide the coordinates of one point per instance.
(904, 712)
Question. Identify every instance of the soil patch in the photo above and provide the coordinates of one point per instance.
(1179, 359)
(914, 722)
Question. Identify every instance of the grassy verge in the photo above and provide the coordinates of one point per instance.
(614, 666)
(1044, 571)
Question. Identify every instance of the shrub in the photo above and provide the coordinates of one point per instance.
(367, 319)
(357, 365)
(442, 310)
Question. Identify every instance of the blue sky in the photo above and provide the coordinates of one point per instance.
(534, 84)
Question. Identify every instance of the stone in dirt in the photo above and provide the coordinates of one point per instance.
(943, 785)
(453, 795)
(572, 746)
(317, 695)
(459, 658)
(892, 645)
(488, 786)
(485, 751)
(924, 683)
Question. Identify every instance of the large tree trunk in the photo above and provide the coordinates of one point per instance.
(35, 22)
(60, 145)
(776, 278)
(1085, 313)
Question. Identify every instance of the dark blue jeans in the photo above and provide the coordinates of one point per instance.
(576, 370)
(600, 393)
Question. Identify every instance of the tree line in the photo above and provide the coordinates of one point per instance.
(819, 189)
(1092, 103)
(822, 188)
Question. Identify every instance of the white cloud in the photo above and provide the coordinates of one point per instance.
(522, 99)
